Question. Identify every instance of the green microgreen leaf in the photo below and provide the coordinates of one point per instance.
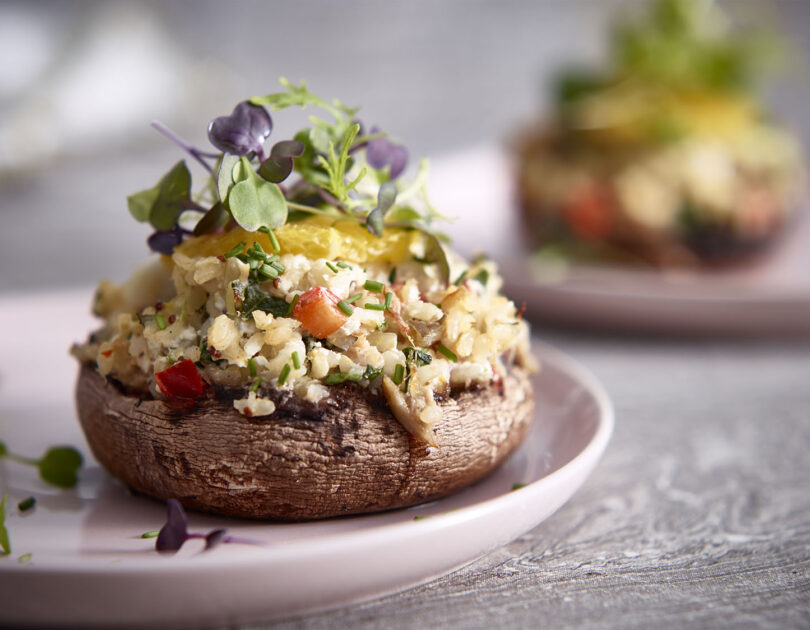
(5, 542)
(59, 466)
(385, 199)
(255, 202)
(161, 205)
(336, 166)
(217, 217)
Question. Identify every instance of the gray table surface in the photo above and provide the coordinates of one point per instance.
(697, 516)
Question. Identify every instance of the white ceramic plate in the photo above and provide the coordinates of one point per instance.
(768, 296)
(89, 566)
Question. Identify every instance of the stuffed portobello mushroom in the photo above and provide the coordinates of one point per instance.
(665, 157)
(305, 345)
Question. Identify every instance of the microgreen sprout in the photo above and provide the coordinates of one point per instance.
(58, 466)
(174, 532)
(337, 171)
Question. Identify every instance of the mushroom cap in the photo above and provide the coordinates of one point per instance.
(346, 454)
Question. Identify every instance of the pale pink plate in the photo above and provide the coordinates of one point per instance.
(89, 566)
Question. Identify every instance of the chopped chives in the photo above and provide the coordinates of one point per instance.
(343, 265)
(277, 266)
(252, 367)
(373, 286)
(292, 304)
(152, 534)
(270, 272)
(374, 307)
(296, 360)
(392, 277)
(332, 267)
(399, 373)
(388, 297)
(258, 248)
(460, 279)
(343, 306)
(26, 557)
(354, 298)
(26, 504)
(335, 378)
(255, 385)
(447, 352)
(518, 486)
(285, 372)
(160, 321)
(237, 249)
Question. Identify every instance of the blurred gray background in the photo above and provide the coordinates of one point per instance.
(80, 81)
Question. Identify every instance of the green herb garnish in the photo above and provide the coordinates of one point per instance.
(285, 372)
(292, 304)
(236, 250)
(339, 172)
(25, 558)
(252, 367)
(419, 357)
(388, 297)
(160, 321)
(26, 504)
(399, 373)
(447, 352)
(344, 306)
(255, 385)
(518, 485)
(374, 307)
(344, 265)
(460, 279)
(151, 534)
(296, 360)
(332, 267)
(58, 466)
(373, 286)
(392, 277)
(354, 298)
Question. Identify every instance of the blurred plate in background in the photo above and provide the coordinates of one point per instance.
(768, 296)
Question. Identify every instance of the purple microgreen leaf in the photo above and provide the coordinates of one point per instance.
(398, 160)
(175, 532)
(213, 538)
(212, 220)
(381, 152)
(288, 149)
(244, 130)
(164, 241)
(385, 199)
(279, 165)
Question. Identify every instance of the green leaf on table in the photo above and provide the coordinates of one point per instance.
(5, 542)
(255, 202)
(59, 466)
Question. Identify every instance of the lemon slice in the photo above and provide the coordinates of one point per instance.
(316, 237)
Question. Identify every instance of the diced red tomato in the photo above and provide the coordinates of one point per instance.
(318, 312)
(182, 380)
(589, 213)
